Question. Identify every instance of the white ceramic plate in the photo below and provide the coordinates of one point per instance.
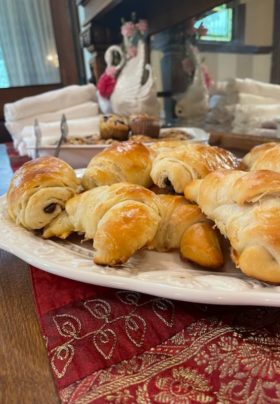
(80, 155)
(159, 274)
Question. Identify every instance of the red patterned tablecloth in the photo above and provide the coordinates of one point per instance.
(116, 346)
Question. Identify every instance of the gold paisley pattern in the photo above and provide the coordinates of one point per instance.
(103, 337)
(210, 361)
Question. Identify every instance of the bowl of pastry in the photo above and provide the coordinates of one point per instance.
(78, 150)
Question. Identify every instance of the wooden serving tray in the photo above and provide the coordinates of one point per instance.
(238, 141)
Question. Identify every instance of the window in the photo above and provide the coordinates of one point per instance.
(4, 79)
(218, 24)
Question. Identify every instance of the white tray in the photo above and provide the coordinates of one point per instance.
(79, 156)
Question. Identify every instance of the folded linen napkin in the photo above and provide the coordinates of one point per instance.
(87, 109)
(250, 86)
(249, 99)
(249, 117)
(245, 113)
(51, 132)
(49, 102)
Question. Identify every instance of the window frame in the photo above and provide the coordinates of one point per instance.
(63, 13)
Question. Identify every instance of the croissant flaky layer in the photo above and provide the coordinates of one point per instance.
(39, 190)
(178, 166)
(183, 226)
(264, 157)
(246, 209)
(122, 218)
(122, 162)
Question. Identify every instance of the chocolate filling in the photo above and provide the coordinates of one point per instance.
(169, 185)
(50, 208)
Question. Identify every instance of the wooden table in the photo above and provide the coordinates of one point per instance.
(25, 374)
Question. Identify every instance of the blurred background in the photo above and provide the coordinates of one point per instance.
(191, 45)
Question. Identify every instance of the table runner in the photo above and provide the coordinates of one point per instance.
(115, 346)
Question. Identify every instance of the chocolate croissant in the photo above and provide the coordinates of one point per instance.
(246, 209)
(122, 162)
(263, 157)
(38, 191)
(177, 167)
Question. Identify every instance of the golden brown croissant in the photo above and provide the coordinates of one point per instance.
(166, 145)
(179, 166)
(122, 162)
(245, 206)
(264, 157)
(185, 227)
(120, 218)
(39, 190)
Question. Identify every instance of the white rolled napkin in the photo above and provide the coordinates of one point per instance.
(51, 132)
(249, 99)
(250, 86)
(87, 109)
(259, 112)
(49, 102)
(250, 117)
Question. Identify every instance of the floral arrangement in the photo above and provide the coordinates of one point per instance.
(132, 32)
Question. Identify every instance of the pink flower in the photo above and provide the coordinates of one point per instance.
(106, 85)
(142, 26)
(132, 51)
(128, 29)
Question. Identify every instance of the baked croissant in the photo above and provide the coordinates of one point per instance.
(121, 219)
(264, 157)
(245, 207)
(122, 162)
(179, 166)
(38, 191)
(183, 226)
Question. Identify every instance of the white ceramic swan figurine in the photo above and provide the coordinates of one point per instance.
(130, 95)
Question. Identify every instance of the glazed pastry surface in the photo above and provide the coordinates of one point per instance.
(123, 218)
(178, 166)
(183, 226)
(122, 162)
(120, 219)
(245, 207)
(39, 190)
(263, 157)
